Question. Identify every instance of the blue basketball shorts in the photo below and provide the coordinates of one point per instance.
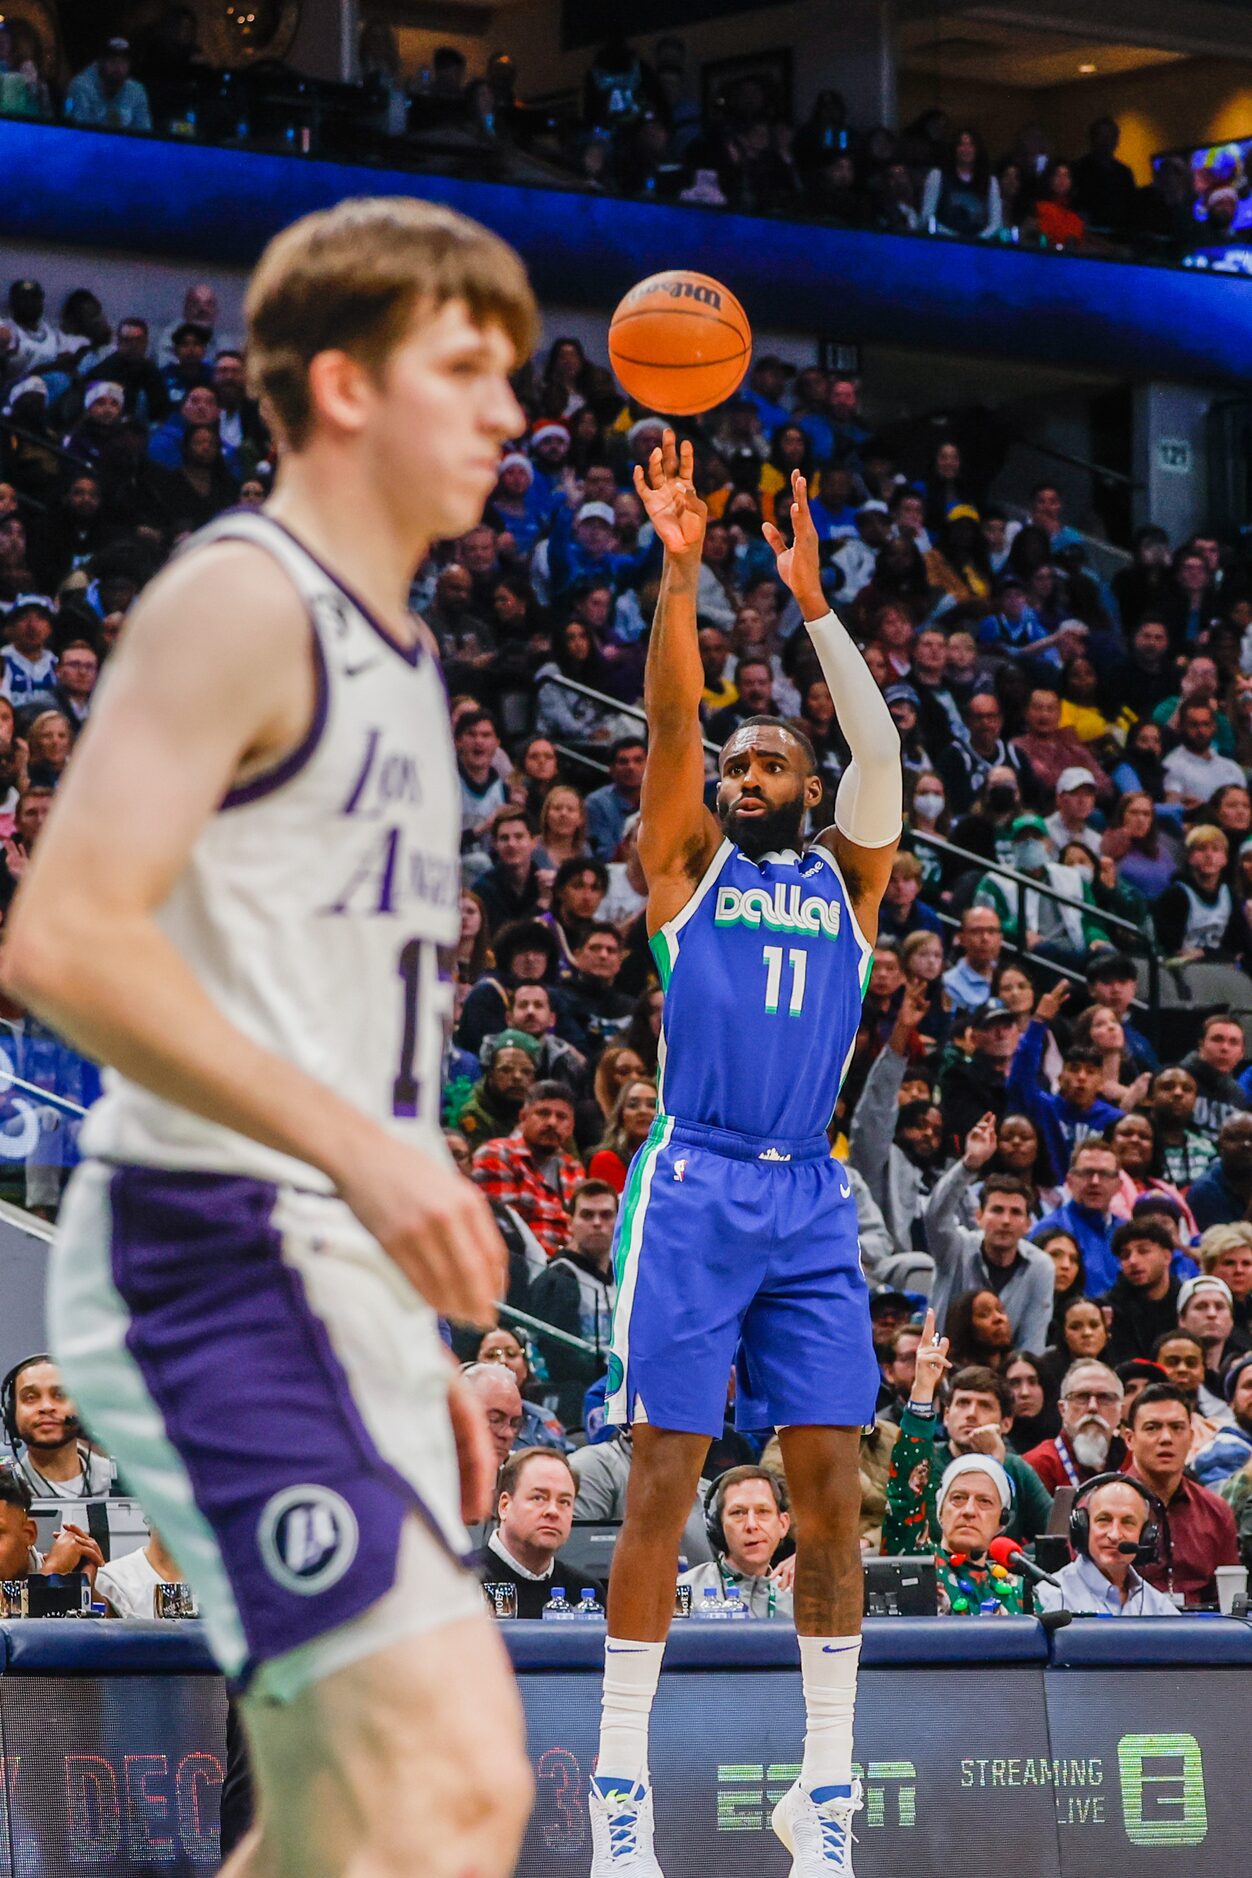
(733, 1250)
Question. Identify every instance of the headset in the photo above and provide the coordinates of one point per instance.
(714, 1530)
(1146, 1550)
(8, 1400)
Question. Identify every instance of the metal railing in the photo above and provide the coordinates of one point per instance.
(537, 1328)
(614, 705)
(1017, 926)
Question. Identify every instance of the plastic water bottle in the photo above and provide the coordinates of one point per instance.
(710, 1607)
(558, 1609)
(735, 1606)
(588, 1604)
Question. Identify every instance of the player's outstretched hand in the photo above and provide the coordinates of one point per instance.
(799, 566)
(668, 493)
(437, 1227)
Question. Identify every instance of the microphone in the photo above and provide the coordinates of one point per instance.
(1008, 1553)
(1129, 1548)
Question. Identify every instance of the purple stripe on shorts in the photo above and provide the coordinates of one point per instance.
(306, 1512)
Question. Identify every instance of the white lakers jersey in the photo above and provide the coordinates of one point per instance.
(316, 899)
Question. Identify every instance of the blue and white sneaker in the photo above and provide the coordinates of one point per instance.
(816, 1829)
(621, 1832)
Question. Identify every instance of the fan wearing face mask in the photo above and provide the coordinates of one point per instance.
(1053, 931)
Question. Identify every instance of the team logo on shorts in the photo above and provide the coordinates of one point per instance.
(308, 1538)
(680, 1169)
(616, 1376)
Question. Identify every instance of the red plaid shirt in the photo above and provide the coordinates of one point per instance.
(507, 1170)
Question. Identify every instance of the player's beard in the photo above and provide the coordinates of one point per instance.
(756, 835)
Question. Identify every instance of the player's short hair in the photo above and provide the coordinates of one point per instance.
(509, 1478)
(977, 1379)
(351, 278)
(788, 724)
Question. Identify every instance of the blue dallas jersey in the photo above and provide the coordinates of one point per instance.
(764, 972)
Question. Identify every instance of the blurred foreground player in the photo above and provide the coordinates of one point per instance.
(238, 905)
(737, 1239)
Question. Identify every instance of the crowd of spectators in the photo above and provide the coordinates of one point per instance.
(640, 128)
(1064, 1175)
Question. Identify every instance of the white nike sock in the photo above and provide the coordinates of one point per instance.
(828, 1666)
(631, 1673)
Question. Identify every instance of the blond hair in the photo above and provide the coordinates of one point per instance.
(351, 279)
(1218, 1240)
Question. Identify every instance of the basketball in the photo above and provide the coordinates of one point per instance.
(680, 342)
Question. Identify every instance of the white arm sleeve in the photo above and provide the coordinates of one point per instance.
(869, 801)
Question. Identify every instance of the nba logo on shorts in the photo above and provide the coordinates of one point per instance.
(308, 1538)
(680, 1169)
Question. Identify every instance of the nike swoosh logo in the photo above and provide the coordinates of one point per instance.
(610, 1651)
(354, 671)
(842, 1649)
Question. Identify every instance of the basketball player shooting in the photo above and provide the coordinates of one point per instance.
(737, 1239)
(239, 904)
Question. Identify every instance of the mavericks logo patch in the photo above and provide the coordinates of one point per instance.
(616, 1376)
(308, 1538)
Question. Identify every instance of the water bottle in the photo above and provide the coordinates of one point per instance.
(588, 1604)
(558, 1609)
(735, 1606)
(710, 1607)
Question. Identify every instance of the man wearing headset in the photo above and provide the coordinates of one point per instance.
(40, 1418)
(748, 1519)
(1115, 1524)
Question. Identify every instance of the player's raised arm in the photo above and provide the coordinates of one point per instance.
(677, 834)
(173, 728)
(869, 801)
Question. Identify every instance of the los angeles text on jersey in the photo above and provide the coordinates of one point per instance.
(783, 908)
(391, 873)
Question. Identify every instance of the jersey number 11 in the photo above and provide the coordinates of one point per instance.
(773, 956)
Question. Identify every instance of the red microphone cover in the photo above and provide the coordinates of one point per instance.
(1004, 1550)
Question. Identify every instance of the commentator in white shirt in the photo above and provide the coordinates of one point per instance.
(127, 1584)
(1113, 1526)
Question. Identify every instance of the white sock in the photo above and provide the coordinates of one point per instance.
(631, 1673)
(828, 1666)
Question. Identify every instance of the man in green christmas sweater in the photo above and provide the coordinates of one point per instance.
(953, 1499)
